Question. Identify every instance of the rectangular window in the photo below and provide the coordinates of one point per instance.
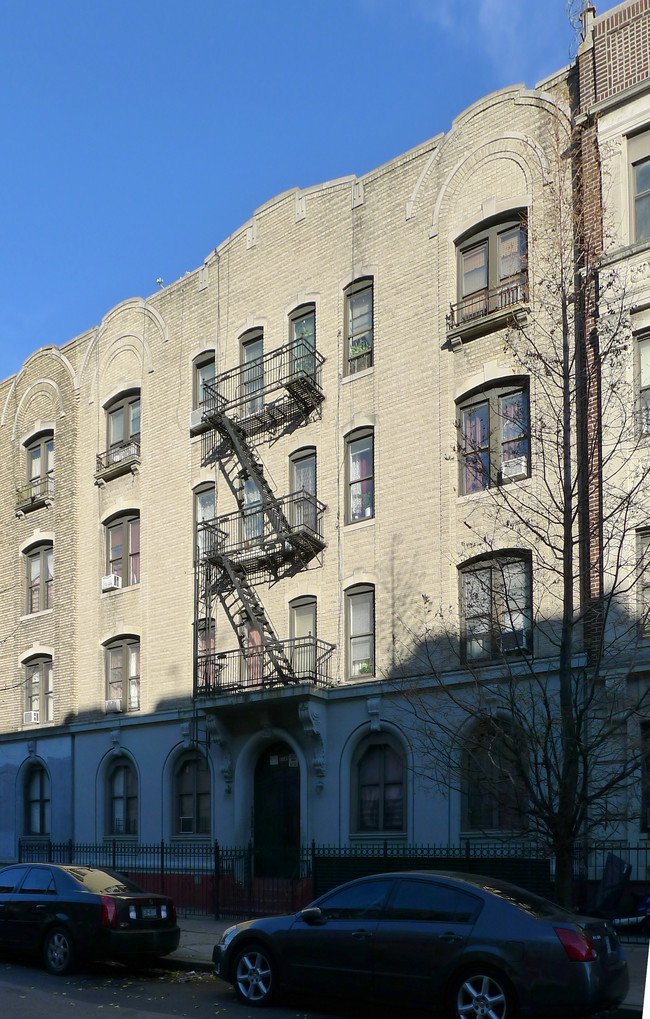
(496, 607)
(361, 632)
(361, 482)
(494, 438)
(644, 582)
(39, 691)
(124, 550)
(359, 328)
(639, 161)
(644, 382)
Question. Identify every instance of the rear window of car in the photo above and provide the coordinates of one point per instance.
(427, 901)
(103, 882)
(532, 904)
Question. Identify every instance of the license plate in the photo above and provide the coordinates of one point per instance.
(149, 911)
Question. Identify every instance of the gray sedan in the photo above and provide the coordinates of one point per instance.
(474, 947)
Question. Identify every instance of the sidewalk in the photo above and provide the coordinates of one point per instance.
(200, 934)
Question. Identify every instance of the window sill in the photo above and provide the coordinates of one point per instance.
(355, 525)
(29, 505)
(363, 374)
(513, 315)
(36, 615)
(373, 837)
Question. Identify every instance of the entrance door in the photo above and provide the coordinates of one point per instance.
(277, 813)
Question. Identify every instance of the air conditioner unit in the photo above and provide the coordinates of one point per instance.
(513, 640)
(30, 717)
(196, 419)
(111, 582)
(113, 705)
(514, 469)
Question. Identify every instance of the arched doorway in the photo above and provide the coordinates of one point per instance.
(276, 827)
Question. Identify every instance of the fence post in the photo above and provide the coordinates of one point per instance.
(217, 881)
(249, 875)
(162, 866)
(114, 856)
(70, 851)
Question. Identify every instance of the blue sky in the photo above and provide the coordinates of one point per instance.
(138, 134)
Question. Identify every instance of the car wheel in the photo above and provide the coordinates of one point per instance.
(254, 975)
(480, 994)
(58, 951)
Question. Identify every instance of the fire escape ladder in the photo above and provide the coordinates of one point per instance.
(252, 465)
(253, 609)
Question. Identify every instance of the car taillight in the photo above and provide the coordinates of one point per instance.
(577, 945)
(109, 911)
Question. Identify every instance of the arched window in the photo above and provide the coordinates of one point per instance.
(192, 798)
(358, 327)
(122, 798)
(39, 484)
(204, 512)
(39, 694)
(494, 435)
(122, 658)
(378, 794)
(496, 613)
(204, 371)
(37, 801)
(123, 549)
(40, 579)
(252, 374)
(303, 339)
(493, 765)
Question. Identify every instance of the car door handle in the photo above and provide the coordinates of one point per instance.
(450, 937)
(361, 935)
(40, 906)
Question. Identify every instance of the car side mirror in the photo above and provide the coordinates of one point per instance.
(312, 916)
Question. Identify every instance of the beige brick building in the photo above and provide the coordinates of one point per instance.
(221, 508)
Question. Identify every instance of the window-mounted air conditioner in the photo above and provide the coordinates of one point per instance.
(196, 419)
(514, 469)
(111, 582)
(30, 717)
(113, 705)
(513, 640)
(186, 825)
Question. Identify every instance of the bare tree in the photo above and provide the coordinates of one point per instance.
(541, 723)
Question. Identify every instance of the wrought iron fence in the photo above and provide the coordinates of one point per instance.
(244, 881)
(35, 491)
(243, 387)
(122, 453)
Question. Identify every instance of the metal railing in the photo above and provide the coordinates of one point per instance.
(227, 672)
(35, 491)
(123, 453)
(253, 533)
(486, 302)
(294, 366)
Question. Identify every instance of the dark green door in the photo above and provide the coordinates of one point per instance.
(277, 813)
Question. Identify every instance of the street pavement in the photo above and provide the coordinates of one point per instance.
(200, 934)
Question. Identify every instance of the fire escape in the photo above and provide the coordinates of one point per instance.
(267, 538)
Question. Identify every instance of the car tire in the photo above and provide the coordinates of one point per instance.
(482, 992)
(58, 951)
(254, 975)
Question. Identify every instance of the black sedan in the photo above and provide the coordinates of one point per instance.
(469, 945)
(68, 914)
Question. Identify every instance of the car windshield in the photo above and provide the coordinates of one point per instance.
(103, 882)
